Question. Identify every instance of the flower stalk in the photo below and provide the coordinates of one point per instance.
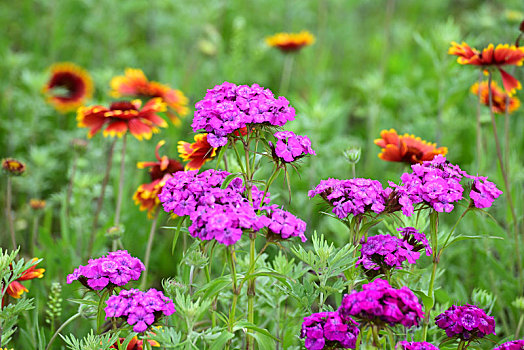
(149, 246)
(120, 187)
(433, 218)
(8, 213)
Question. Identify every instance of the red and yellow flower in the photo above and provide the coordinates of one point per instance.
(16, 289)
(501, 55)
(37, 204)
(135, 83)
(197, 153)
(290, 42)
(123, 116)
(160, 171)
(68, 87)
(134, 344)
(406, 148)
(499, 97)
(13, 166)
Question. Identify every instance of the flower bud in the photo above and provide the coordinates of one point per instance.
(519, 303)
(352, 154)
(115, 232)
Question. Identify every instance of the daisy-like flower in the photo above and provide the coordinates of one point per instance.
(37, 204)
(406, 148)
(499, 97)
(290, 42)
(160, 171)
(135, 84)
(134, 344)
(16, 289)
(123, 116)
(197, 153)
(68, 87)
(13, 166)
(501, 55)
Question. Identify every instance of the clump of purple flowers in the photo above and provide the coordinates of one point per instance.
(422, 345)
(114, 269)
(140, 309)
(216, 213)
(290, 147)
(384, 252)
(465, 322)
(229, 107)
(328, 330)
(353, 196)
(416, 239)
(380, 304)
(511, 345)
(483, 192)
(283, 225)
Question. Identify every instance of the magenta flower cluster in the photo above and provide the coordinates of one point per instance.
(465, 322)
(283, 225)
(290, 147)
(353, 196)
(436, 183)
(223, 213)
(328, 330)
(380, 303)
(140, 309)
(416, 239)
(384, 252)
(422, 345)
(483, 192)
(511, 345)
(229, 107)
(115, 269)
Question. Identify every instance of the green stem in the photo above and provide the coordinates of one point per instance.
(70, 185)
(507, 185)
(286, 73)
(376, 339)
(9, 214)
(453, 230)
(120, 188)
(100, 200)
(148, 249)
(236, 291)
(433, 217)
(478, 124)
(272, 178)
(68, 321)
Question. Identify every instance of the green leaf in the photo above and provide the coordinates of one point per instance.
(84, 302)
(228, 179)
(426, 300)
(214, 287)
(463, 238)
(221, 341)
(221, 153)
(245, 324)
(282, 278)
(177, 233)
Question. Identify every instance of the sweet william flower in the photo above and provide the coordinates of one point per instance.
(291, 42)
(466, 322)
(499, 97)
(327, 330)
(405, 345)
(511, 345)
(196, 153)
(496, 57)
(122, 116)
(406, 148)
(290, 147)
(68, 87)
(135, 84)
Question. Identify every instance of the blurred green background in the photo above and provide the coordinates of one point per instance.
(375, 65)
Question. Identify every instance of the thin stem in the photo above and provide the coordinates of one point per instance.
(100, 200)
(453, 230)
(34, 234)
(70, 185)
(286, 73)
(208, 280)
(236, 292)
(148, 248)
(120, 187)
(478, 124)
(519, 326)
(68, 321)
(433, 217)
(506, 134)
(376, 339)
(8, 212)
(507, 185)
(353, 170)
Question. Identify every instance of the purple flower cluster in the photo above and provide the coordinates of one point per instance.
(283, 225)
(383, 252)
(465, 322)
(141, 309)
(483, 192)
(422, 345)
(353, 196)
(435, 183)
(290, 147)
(511, 345)
(416, 239)
(114, 269)
(216, 213)
(378, 302)
(229, 107)
(328, 330)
